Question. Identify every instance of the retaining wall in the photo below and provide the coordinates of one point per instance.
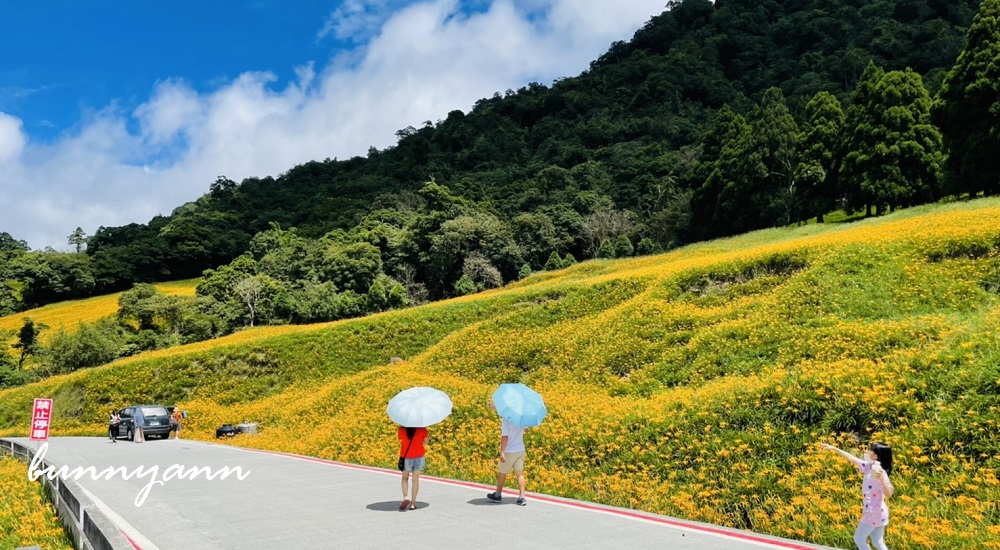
(86, 525)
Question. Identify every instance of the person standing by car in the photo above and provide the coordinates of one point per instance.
(175, 422)
(113, 424)
(138, 420)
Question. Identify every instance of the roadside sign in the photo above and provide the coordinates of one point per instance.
(41, 418)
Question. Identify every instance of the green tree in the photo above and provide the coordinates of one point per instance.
(463, 235)
(10, 301)
(623, 247)
(538, 236)
(9, 246)
(397, 295)
(755, 174)
(135, 306)
(862, 137)
(92, 344)
(722, 157)
(669, 224)
(606, 250)
(49, 277)
(283, 254)
(218, 283)
(821, 153)
(554, 262)
(968, 108)
(27, 340)
(78, 239)
(568, 260)
(646, 247)
(481, 271)
(773, 186)
(465, 285)
(377, 297)
(895, 153)
(350, 267)
(524, 272)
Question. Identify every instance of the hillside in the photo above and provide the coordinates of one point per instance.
(632, 134)
(67, 315)
(696, 383)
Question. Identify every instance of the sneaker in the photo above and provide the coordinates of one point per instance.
(521, 501)
(495, 497)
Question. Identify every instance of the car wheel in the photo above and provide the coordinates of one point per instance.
(129, 435)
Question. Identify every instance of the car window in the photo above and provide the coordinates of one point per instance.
(154, 411)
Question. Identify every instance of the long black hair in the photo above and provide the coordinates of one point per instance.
(410, 432)
(883, 453)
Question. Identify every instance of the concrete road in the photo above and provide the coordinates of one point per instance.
(296, 502)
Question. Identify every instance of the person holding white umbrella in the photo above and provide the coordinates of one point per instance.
(411, 452)
(415, 409)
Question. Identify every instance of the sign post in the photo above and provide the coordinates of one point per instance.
(41, 419)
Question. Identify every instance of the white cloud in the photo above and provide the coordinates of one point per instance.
(418, 63)
(356, 19)
(11, 138)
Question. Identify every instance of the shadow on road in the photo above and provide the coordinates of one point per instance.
(488, 502)
(393, 506)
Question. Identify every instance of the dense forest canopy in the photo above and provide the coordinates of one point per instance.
(716, 118)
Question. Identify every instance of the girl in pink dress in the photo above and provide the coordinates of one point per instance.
(875, 488)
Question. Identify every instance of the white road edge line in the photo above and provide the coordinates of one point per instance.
(126, 527)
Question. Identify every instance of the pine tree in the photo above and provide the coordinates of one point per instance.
(968, 108)
(861, 140)
(720, 168)
(895, 153)
(821, 154)
(554, 262)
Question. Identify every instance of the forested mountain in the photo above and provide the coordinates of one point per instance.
(715, 118)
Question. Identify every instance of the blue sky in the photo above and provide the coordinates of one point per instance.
(113, 112)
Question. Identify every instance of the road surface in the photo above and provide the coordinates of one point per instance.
(290, 501)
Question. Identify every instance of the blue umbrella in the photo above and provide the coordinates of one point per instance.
(419, 407)
(519, 405)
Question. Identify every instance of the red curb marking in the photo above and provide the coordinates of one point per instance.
(130, 541)
(581, 505)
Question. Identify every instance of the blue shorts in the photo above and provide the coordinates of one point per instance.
(414, 464)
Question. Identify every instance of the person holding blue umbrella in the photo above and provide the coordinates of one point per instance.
(415, 409)
(519, 408)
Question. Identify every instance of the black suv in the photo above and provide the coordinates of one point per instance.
(157, 421)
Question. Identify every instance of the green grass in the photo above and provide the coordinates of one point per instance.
(697, 383)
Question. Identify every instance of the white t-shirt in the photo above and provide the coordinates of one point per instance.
(515, 436)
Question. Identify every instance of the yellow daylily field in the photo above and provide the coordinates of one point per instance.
(68, 315)
(696, 384)
(27, 517)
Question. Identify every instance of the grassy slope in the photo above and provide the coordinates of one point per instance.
(696, 383)
(67, 315)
